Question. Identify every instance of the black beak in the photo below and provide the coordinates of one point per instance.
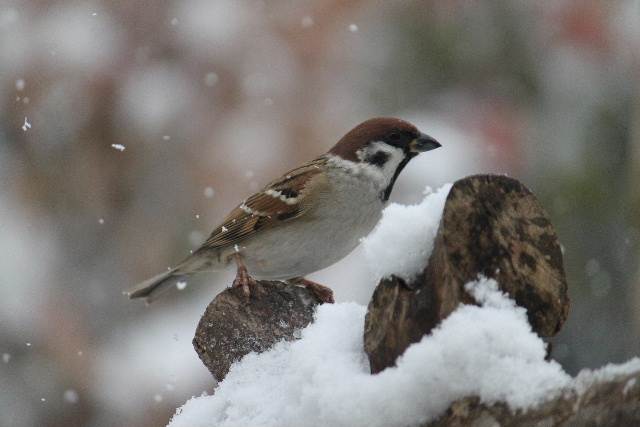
(423, 143)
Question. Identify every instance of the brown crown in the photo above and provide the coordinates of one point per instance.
(370, 130)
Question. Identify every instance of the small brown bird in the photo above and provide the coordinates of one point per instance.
(309, 218)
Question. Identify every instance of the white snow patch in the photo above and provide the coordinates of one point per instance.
(587, 377)
(629, 385)
(324, 379)
(26, 125)
(403, 239)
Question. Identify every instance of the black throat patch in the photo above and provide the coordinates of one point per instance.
(384, 195)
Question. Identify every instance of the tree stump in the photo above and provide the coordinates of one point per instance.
(491, 226)
(234, 325)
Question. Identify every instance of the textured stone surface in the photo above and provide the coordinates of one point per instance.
(234, 325)
(491, 226)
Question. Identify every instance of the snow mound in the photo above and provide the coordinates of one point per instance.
(403, 239)
(323, 379)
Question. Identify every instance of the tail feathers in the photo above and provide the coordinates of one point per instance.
(154, 288)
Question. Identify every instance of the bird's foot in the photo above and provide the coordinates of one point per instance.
(323, 293)
(243, 280)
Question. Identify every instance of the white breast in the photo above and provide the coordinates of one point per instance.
(325, 235)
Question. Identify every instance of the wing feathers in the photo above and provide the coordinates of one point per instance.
(281, 200)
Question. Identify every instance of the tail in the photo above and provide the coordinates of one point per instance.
(154, 288)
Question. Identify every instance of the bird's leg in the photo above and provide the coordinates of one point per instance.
(242, 276)
(324, 293)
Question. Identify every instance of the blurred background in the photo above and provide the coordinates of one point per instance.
(128, 129)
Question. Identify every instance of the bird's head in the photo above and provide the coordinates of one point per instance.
(384, 146)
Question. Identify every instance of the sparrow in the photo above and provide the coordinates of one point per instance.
(310, 217)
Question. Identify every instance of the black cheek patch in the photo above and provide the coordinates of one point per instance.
(378, 159)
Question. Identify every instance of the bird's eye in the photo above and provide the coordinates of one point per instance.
(393, 135)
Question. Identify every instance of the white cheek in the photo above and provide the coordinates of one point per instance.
(395, 157)
(379, 176)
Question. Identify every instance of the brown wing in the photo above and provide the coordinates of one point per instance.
(281, 200)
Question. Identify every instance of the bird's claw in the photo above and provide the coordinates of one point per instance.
(243, 279)
(323, 293)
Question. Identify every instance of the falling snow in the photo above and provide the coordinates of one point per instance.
(71, 396)
(26, 126)
(307, 22)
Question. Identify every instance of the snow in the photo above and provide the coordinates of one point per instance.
(587, 377)
(209, 192)
(403, 227)
(324, 379)
(71, 396)
(629, 385)
(26, 125)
